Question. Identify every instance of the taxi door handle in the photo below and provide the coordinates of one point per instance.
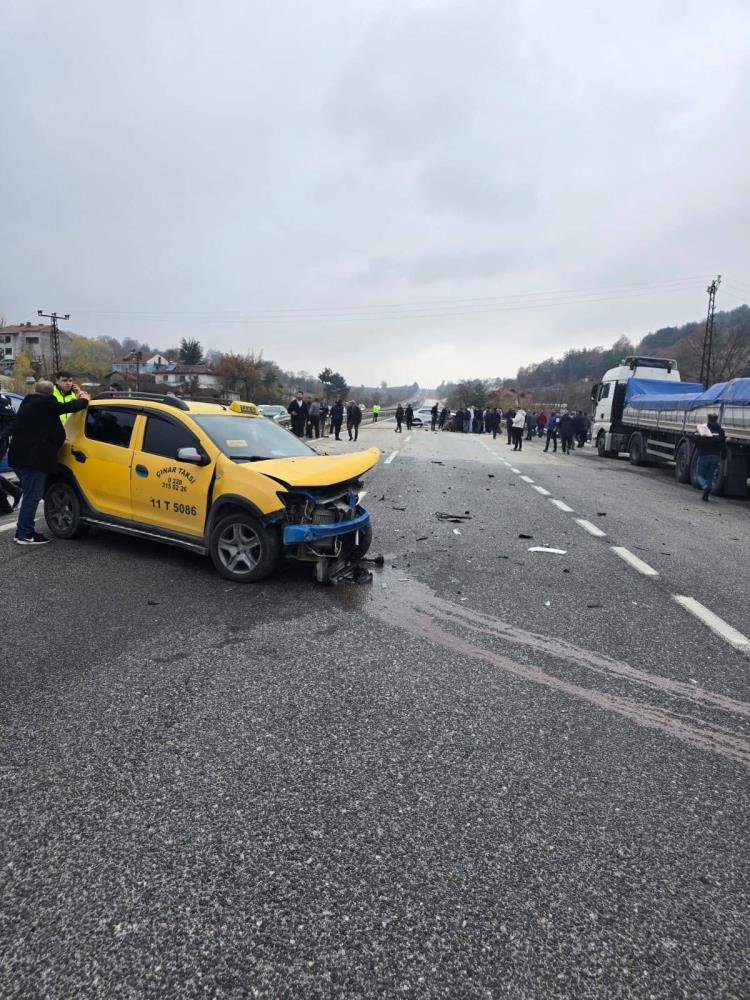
(142, 471)
(78, 455)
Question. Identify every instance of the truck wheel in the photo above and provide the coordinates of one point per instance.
(637, 450)
(694, 469)
(719, 485)
(682, 462)
(243, 550)
(600, 446)
(62, 511)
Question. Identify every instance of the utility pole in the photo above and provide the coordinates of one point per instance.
(708, 339)
(53, 318)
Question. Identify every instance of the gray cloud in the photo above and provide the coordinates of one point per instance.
(227, 161)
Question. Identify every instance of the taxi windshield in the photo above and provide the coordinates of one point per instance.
(251, 439)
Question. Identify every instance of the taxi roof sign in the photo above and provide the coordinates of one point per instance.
(247, 409)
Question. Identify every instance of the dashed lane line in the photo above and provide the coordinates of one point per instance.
(591, 528)
(517, 471)
(627, 556)
(390, 458)
(716, 624)
(7, 527)
(561, 506)
(541, 489)
(408, 439)
(526, 479)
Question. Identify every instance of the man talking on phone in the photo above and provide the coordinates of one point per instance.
(65, 391)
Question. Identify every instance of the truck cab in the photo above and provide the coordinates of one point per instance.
(608, 396)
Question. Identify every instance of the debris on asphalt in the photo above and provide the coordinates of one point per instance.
(453, 518)
(398, 508)
(422, 538)
(543, 548)
(601, 513)
(548, 604)
(593, 605)
(521, 535)
(378, 560)
(152, 602)
(456, 531)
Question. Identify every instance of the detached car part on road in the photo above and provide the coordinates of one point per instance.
(218, 479)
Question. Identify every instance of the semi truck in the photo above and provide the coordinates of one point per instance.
(643, 408)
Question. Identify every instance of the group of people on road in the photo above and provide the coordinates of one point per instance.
(316, 418)
(572, 428)
(33, 437)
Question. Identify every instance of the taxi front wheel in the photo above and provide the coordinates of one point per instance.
(243, 550)
(62, 511)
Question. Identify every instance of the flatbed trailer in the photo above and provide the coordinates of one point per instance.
(655, 419)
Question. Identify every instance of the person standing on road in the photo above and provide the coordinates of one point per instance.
(409, 414)
(297, 410)
(337, 418)
(567, 430)
(493, 422)
(581, 428)
(530, 420)
(509, 418)
(353, 420)
(434, 417)
(38, 435)
(541, 423)
(468, 418)
(324, 408)
(314, 418)
(551, 431)
(444, 414)
(519, 423)
(375, 412)
(710, 443)
(65, 391)
(399, 418)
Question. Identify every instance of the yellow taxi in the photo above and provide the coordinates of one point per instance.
(219, 479)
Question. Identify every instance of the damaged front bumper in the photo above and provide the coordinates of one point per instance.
(296, 534)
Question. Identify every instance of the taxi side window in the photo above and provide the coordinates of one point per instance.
(165, 437)
(110, 426)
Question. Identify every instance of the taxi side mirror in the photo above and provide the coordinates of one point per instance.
(192, 456)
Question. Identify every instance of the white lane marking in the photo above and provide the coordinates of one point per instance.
(7, 527)
(591, 528)
(526, 479)
(517, 471)
(407, 439)
(541, 489)
(716, 624)
(634, 561)
(390, 458)
(562, 506)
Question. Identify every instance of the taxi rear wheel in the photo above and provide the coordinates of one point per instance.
(243, 550)
(62, 511)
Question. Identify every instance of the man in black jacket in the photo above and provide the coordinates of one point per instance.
(353, 420)
(337, 418)
(710, 443)
(38, 435)
(297, 410)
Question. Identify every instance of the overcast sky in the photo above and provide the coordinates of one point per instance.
(401, 190)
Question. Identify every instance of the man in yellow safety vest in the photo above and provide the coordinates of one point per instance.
(65, 391)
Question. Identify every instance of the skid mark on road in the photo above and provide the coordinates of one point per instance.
(426, 616)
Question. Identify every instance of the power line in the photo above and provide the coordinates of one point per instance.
(424, 309)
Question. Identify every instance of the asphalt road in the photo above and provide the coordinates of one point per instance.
(493, 772)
